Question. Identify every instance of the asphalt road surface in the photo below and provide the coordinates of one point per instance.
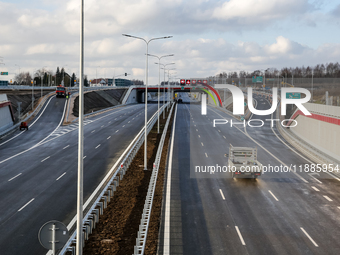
(38, 176)
(279, 213)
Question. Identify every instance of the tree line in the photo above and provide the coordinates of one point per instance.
(328, 70)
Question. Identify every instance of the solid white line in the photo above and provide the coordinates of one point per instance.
(108, 138)
(304, 231)
(166, 244)
(315, 188)
(26, 205)
(222, 194)
(239, 235)
(29, 125)
(45, 159)
(14, 177)
(271, 193)
(206, 154)
(66, 147)
(60, 176)
(314, 178)
(98, 146)
(333, 176)
(330, 200)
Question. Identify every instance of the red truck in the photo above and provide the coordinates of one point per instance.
(61, 91)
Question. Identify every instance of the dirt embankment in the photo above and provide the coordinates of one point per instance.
(98, 100)
(116, 232)
(25, 98)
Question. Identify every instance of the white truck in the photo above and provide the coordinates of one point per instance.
(242, 162)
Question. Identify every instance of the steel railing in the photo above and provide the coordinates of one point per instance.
(145, 220)
(96, 204)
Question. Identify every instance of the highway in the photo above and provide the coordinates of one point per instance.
(38, 176)
(280, 213)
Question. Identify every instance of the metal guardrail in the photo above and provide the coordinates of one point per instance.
(105, 190)
(145, 220)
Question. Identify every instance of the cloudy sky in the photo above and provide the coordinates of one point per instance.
(209, 36)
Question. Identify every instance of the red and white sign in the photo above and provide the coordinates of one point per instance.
(193, 81)
(188, 82)
(205, 81)
(182, 81)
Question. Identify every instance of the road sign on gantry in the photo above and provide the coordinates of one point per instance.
(205, 81)
(187, 82)
(193, 81)
(182, 81)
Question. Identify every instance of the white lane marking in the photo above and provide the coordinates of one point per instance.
(115, 118)
(239, 235)
(60, 176)
(66, 147)
(206, 154)
(110, 122)
(102, 126)
(45, 159)
(339, 207)
(304, 231)
(98, 146)
(117, 131)
(333, 176)
(224, 137)
(108, 138)
(84, 157)
(124, 126)
(26, 205)
(196, 129)
(222, 194)
(129, 121)
(316, 189)
(199, 136)
(93, 131)
(202, 144)
(314, 178)
(330, 200)
(14, 177)
(219, 131)
(61, 121)
(271, 193)
(166, 243)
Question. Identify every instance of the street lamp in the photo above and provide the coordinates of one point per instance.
(159, 82)
(312, 83)
(146, 89)
(42, 76)
(164, 65)
(96, 76)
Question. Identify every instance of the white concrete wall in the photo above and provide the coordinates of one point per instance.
(323, 135)
(5, 118)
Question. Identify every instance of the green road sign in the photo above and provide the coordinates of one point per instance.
(182, 88)
(293, 95)
(257, 79)
(4, 73)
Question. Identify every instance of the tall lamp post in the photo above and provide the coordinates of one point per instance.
(164, 65)
(146, 90)
(159, 82)
(79, 245)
